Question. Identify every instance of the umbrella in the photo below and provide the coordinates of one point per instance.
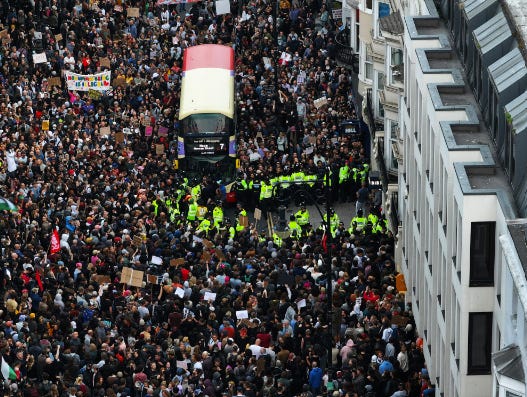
(6, 205)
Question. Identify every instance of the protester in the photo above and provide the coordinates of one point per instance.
(222, 309)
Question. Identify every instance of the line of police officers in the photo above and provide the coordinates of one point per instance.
(186, 204)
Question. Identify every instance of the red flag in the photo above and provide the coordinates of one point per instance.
(54, 247)
(325, 243)
(39, 281)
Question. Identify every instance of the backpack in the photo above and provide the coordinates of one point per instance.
(87, 315)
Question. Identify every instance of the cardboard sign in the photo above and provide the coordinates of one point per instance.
(177, 261)
(101, 279)
(132, 277)
(400, 321)
(119, 137)
(160, 148)
(45, 125)
(206, 256)
(400, 284)
(137, 241)
(132, 12)
(54, 82)
(181, 364)
(4, 34)
(320, 102)
(40, 58)
(257, 214)
(180, 292)
(105, 62)
(104, 131)
(220, 255)
(58, 37)
(207, 243)
(119, 82)
(244, 220)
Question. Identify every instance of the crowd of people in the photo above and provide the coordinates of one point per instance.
(220, 308)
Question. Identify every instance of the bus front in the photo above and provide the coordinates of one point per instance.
(207, 139)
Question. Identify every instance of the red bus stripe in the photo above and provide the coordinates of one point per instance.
(208, 56)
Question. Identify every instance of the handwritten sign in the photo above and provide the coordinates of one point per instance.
(87, 82)
(54, 82)
(93, 94)
(162, 131)
(132, 277)
(160, 148)
(45, 125)
(101, 279)
(119, 81)
(104, 62)
(320, 102)
(58, 37)
(148, 130)
(119, 137)
(132, 12)
(257, 214)
(241, 314)
(104, 131)
(156, 260)
(209, 296)
(177, 261)
(40, 58)
(180, 292)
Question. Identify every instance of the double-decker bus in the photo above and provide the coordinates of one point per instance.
(207, 139)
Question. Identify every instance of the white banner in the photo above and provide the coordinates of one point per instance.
(87, 82)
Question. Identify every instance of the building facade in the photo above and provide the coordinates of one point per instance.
(445, 97)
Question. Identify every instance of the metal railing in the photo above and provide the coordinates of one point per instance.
(344, 52)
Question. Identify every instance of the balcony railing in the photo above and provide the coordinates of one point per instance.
(345, 53)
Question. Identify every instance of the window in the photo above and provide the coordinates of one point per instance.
(396, 65)
(482, 246)
(479, 343)
(368, 66)
(369, 4)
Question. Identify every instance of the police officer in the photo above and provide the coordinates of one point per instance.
(266, 196)
(231, 230)
(295, 231)
(192, 210)
(302, 218)
(357, 223)
(344, 183)
(240, 211)
(217, 215)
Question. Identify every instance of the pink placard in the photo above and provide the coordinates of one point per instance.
(163, 131)
(148, 130)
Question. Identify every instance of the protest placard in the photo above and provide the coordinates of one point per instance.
(104, 131)
(105, 62)
(257, 214)
(320, 102)
(119, 137)
(180, 292)
(40, 58)
(156, 260)
(209, 296)
(241, 314)
(132, 12)
(58, 37)
(101, 279)
(162, 131)
(94, 94)
(148, 130)
(177, 261)
(45, 125)
(132, 277)
(160, 148)
(54, 82)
